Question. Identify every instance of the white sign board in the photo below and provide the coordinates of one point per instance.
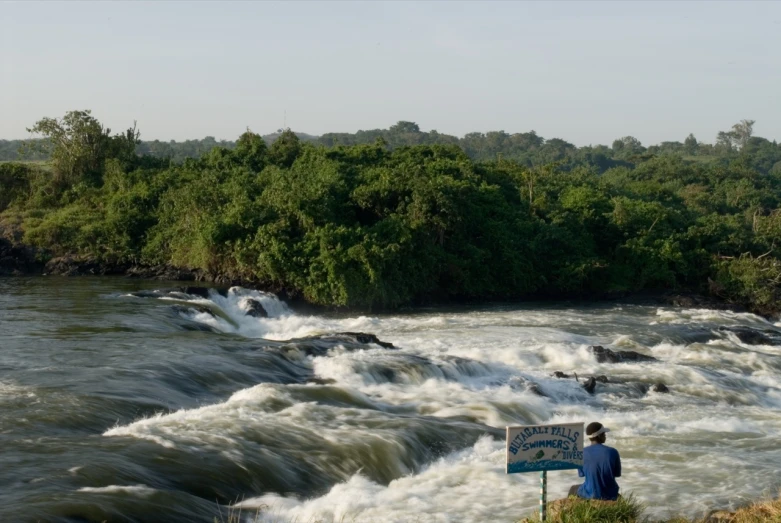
(544, 447)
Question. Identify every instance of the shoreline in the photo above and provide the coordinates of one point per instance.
(18, 259)
(631, 510)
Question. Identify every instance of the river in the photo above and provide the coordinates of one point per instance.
(122, 405)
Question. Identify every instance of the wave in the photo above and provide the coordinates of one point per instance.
(370, 432)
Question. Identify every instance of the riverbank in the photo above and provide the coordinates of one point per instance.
(629, 510)
(17, 259)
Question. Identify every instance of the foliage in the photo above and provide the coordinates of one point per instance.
(14, 183)
(412, 216)
(528, 149)
(629, 510)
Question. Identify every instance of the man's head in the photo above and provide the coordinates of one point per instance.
(596, 432)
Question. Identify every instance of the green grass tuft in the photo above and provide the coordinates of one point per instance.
(576, 510)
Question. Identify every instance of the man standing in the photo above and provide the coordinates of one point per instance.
(601, 467)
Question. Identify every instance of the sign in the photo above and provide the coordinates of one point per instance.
(544, 447)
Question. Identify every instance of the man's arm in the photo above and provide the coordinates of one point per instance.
(616, 464)
(581, 473)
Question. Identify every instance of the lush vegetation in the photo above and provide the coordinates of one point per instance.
(629, 510)
(528, 149)
(393, 222)
(577, 510)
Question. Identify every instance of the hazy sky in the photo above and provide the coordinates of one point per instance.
(588, 72)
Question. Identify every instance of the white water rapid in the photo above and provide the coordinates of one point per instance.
(710, 443)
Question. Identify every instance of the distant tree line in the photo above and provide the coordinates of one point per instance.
(527, 149)
(406, 219)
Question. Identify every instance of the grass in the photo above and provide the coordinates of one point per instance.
(758, 512)
(629, 510)
(577, 510)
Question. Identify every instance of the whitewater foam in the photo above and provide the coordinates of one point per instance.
(135, 490)
(710, 437)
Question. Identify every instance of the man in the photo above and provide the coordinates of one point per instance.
(601, 467)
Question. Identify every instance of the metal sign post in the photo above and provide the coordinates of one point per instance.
(543, 448)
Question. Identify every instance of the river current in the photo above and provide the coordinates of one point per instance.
(120, 403)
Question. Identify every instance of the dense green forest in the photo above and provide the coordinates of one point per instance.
(413, 216)
(528, 149)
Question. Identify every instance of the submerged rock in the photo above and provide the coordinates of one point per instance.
(604, 355)
(191, 309)
(660, 387)
(320, 345)
(362, 337)
(521, 383)
(321, 381)
(590, 384)
(753, 336)
(203, 292)
(255, 309)
(617, 386)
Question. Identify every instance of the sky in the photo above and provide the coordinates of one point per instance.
(587, 72)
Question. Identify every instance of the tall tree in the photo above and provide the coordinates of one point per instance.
(690, 144)
(285, 149)
(77, 144)
(741, 132)
(251, 149)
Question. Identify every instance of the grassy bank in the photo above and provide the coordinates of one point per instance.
(629, 510)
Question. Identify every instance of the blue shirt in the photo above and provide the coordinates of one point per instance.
(601, 467)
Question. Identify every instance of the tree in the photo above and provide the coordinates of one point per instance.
(77, 144)
(741, 132)
(690, 144)
(724, 141)
(285, 149)
(627, 147)
(405, 127)
(738, 137)
(252, 151)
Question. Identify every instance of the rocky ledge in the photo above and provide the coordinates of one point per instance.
(19, 260)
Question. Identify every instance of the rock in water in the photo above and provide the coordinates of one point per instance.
(256, 309)
(320, 345)
(604, 355)
(660, 387)
(16, 260)
(590, 385)
(753, 336)
(560, 375)
(193, 308)
(362, 337)
(202, 292)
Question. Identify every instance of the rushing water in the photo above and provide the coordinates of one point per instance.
(125, 406)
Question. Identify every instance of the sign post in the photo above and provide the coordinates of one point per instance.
(543, 448)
